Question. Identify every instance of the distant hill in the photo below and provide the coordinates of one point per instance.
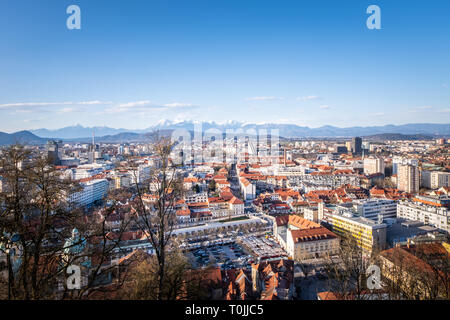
(79, 131)
(397, 136)
(123, 137)
(285, 130)
(21, 137)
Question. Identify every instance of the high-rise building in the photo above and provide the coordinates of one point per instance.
(425, 179)
(408, 179)
(373, 165)
(52, 152)
(396, 161)
(440, 179)
(357, 145)
(348, 145)
(366, 145)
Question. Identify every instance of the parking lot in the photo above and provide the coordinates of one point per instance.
(263, 248)
(227, 256)
(230, 254)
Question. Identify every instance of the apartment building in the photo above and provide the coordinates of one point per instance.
(311, 213)
(429, 210)
(141, 174)
(434, 179)
(92, 190)
(425, 179)
(373, 166)
(397, 161)
(408, 178)
(439, 179)
(192, 197)
(368, 234)
(376, 209)
(122, 181)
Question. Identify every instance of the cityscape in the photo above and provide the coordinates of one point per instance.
(280, 195)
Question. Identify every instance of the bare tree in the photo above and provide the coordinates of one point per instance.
(347, 271)
(37, 222)
(417, 272)
(35, 213)
(157, 218)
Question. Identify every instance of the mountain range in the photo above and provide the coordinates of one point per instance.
(285, 130)
(106, 134)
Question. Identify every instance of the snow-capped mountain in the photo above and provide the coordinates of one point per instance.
(285, 130)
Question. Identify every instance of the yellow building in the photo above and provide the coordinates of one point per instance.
(368, 234)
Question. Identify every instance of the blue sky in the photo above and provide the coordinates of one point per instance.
(137, 62)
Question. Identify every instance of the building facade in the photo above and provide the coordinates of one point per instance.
(408, 178)
(373, 166)
(432, 211)
(367, 234)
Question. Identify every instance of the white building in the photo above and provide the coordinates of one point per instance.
(141, 174)
(204, 169)
(376, 209)
(192, 197)
(439, 179)
(248, 189)
(432, 211)
(373, 165)
(92, 191)
(88, 170)
(434, 179)
(311, 213)
(303, 239)
(396, 161)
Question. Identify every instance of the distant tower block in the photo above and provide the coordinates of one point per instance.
(52, 152)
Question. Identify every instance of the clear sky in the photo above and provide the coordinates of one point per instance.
(137, 62)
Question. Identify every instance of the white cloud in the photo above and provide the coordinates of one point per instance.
(325, 107)
(33, 104)
(177, 105)
(95, 102)
(265, 98)
(421, 108)
(49, 104)
(446, 110)
(376, 114)
(308, 98)
(142, 103)
(69, 110)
